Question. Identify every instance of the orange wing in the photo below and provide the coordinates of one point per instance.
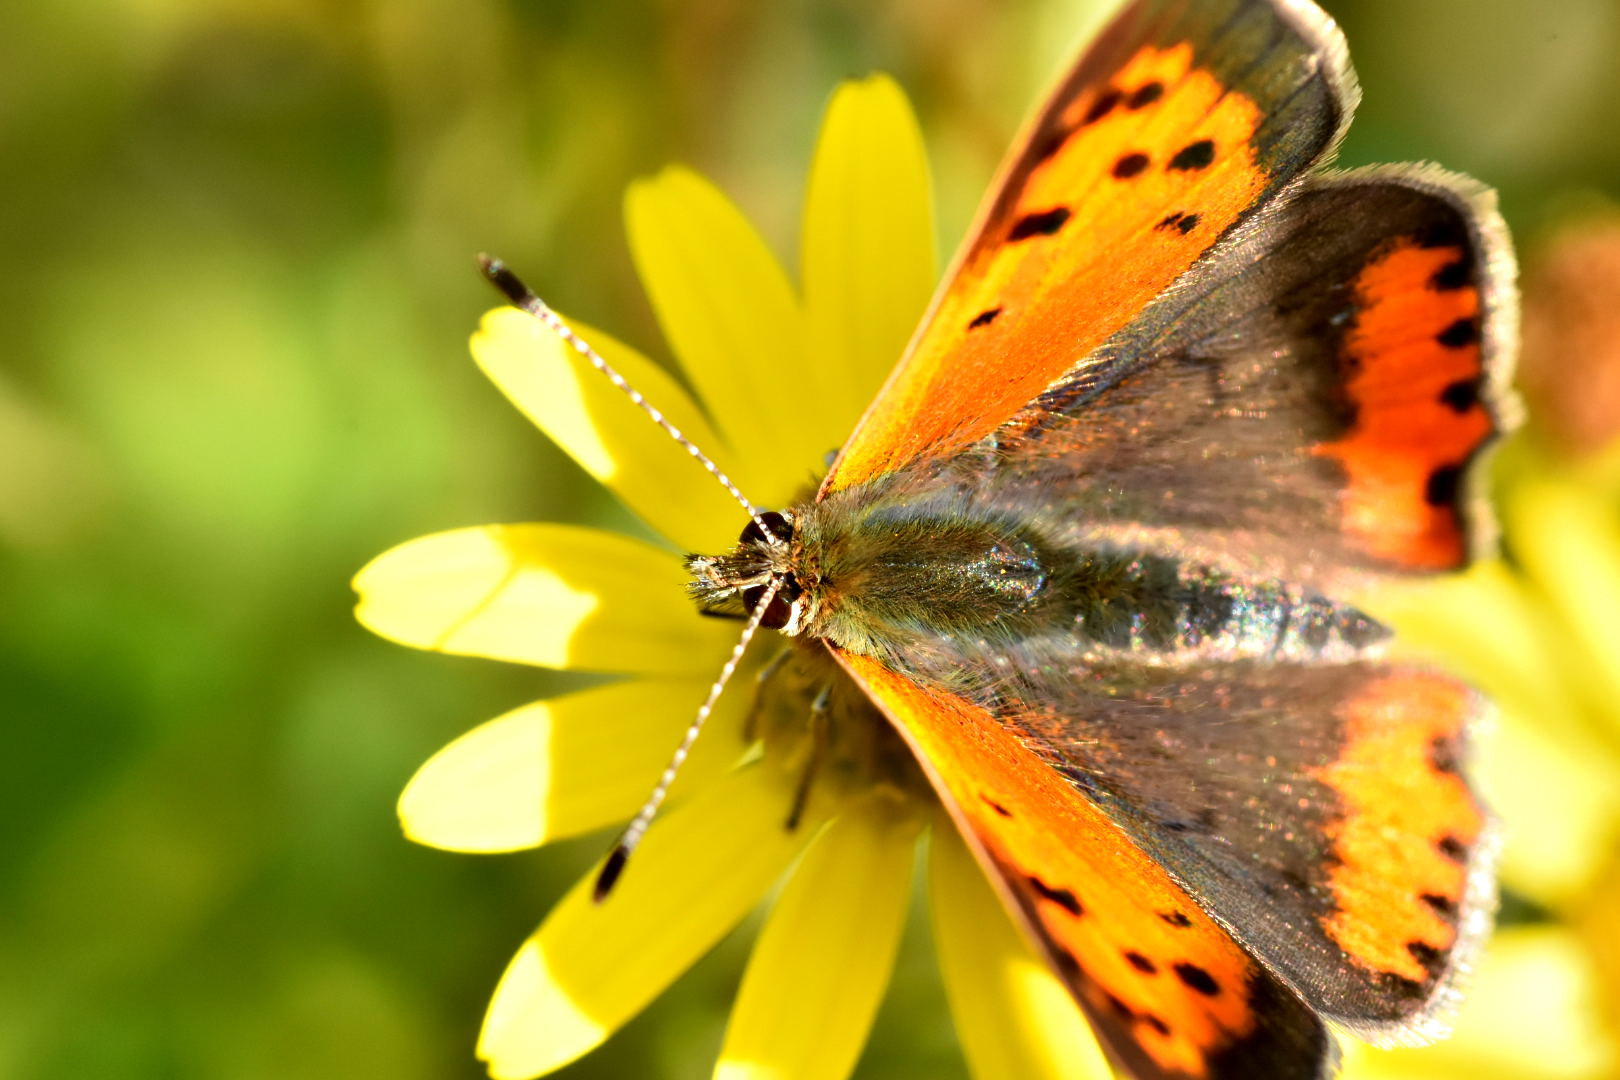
(1168, 991)
(1177, 125)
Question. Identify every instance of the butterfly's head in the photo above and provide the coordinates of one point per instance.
(734, 583)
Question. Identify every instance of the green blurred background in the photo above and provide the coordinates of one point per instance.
(236, 283)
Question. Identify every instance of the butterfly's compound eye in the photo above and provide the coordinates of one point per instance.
(781, 610)
(780, 526)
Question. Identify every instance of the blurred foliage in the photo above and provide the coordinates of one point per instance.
(237, 284)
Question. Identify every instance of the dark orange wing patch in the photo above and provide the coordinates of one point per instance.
(1408, 823)
(1176, 125)
(1417, 368)
(1167, 989)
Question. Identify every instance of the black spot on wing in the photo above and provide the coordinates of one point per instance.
(1145, 95)
(1426, 954)
(1130, 165)
(984, 318)
(1106, 102)
(1180, 221)
(1456, 274)
(1452, 848)
(1141, 963)
(1461, 395)
(1443, 906)
(1040, 223)
(1063, 898)
(1460, 334)
(1176, 919)
(997, 807)
(1197, 979)
(1193, 156)
(1442, 485)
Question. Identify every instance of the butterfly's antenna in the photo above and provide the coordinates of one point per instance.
(637, 828)
(512, 287)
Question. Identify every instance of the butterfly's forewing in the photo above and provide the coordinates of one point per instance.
(1177, 124)
(1167, 990)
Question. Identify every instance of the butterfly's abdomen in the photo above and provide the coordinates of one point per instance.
(1155, 608)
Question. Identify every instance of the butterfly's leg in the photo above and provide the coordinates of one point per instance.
(750, 731)
(820, 730)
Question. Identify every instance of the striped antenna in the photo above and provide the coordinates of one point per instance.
(633, 832)
(512, 287)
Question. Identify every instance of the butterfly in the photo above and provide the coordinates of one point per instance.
(1095, 550)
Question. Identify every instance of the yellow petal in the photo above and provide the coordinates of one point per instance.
(567, 766)
(559, 596)
(599, 427)
(1013, 1017)
(1559, 801)
(733, 322)
(1531, 1011)
(591, 967)
(816, 976)
(1568, 539)
(868, 246)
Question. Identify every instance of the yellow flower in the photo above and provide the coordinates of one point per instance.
(781, 378)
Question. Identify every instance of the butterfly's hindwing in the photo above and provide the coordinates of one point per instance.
(1169, 993)
(1318, 809)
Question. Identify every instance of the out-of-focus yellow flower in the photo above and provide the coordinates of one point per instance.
(780, 377)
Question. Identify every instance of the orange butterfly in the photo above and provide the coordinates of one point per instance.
(1091, 548)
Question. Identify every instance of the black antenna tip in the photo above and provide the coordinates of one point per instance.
(510, 285)
(610, 872)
